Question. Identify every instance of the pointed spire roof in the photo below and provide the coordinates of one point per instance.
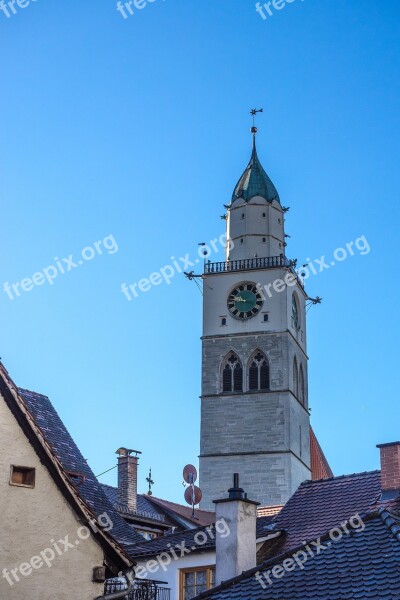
(255, 181)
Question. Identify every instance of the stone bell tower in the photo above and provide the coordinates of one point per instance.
(254, 402)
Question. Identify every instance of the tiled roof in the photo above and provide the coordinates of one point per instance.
(320, 468)
(163, 544)
(163, 510)
(144, 508)
(202, 517)
(362, 565)
(264, 526)
(269, 511)
(255, 182)
(72, 461)
(317, 506)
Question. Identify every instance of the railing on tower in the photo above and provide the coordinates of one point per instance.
(248, 264)
(252, 264)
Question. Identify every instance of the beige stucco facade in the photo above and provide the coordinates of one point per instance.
(32, 521)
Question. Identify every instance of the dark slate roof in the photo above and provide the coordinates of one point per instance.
(255, 181)
(317, 506)
(362, 565)
(144, 507)
(264, 527)
(72, 461)
(163, 544)
(164, 510)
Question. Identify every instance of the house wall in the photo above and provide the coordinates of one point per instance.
(32, 521)
(171, 575)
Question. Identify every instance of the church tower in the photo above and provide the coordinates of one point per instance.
(254, 402)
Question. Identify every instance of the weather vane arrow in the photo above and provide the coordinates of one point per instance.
(253, 113)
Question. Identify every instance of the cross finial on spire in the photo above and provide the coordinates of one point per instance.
(150, 482)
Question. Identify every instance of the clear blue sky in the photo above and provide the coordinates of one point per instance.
(139, 129)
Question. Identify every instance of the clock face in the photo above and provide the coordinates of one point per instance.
(244, 301)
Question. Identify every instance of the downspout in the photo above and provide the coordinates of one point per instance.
(121, 594)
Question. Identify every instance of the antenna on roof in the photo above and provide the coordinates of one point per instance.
(193, 494)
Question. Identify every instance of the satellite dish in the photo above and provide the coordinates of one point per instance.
(193, 495)
(190, 474)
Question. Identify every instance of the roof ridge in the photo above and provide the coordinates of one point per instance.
(21, 389)
(337, 477)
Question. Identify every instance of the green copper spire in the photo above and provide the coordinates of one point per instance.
(255, 181)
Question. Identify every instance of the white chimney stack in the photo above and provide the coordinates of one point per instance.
(236, 552)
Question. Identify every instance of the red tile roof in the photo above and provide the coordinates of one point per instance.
(269, 511)
(201, 518)
(320, 468)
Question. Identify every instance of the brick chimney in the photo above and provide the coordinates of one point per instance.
(390, 467)
(127, 477)
(236, 551)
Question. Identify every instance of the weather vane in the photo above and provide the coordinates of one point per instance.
(150, 482)
(253, 113)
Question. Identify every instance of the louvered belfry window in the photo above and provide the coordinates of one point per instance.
(259, 372)
(302, 386)
(295, 378)
(232, 374)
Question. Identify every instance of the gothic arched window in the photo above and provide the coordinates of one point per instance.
(295, 378)
(295, 312)
(259, 372)
(232, 374)
(302, 386)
